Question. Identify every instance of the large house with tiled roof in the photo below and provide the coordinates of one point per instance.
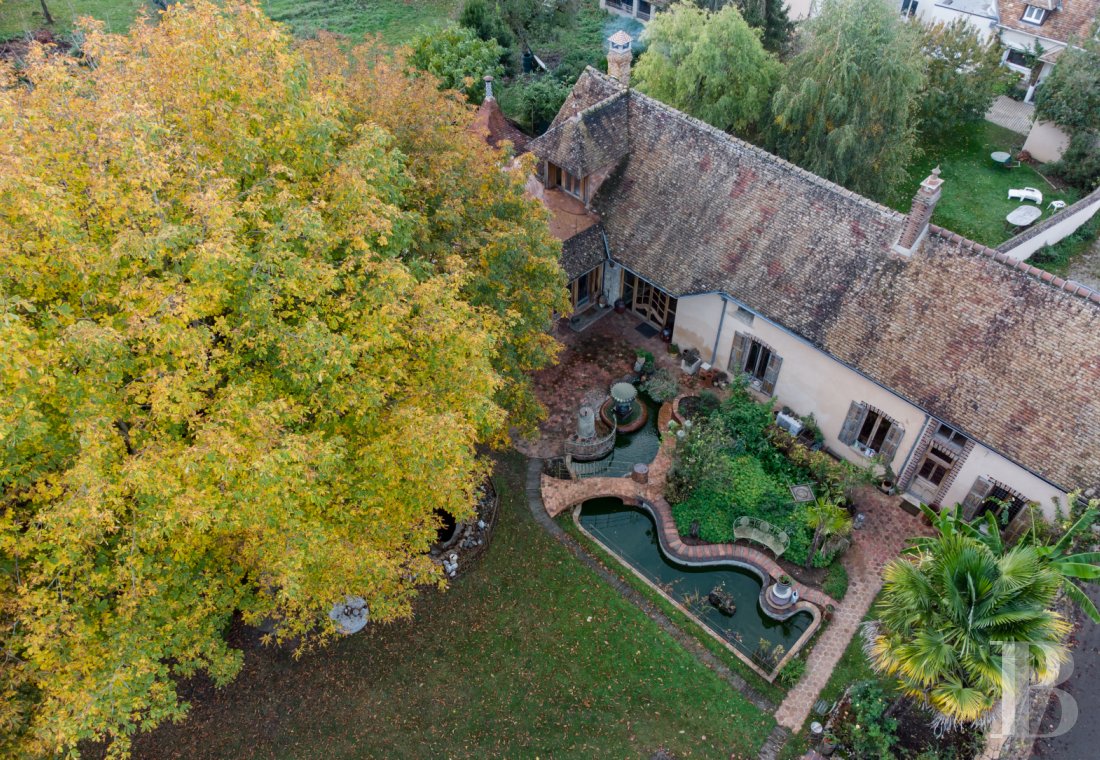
(972, 374)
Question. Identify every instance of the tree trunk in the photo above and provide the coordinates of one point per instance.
(897, 706)
(814, 544)
(46, 11)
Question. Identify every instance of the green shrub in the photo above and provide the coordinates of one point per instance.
(868, 732)
(662, 386)
(1055, 258)
(483, 18)
(836, 582)
(458, 59)
(792, 672)
(533, 100)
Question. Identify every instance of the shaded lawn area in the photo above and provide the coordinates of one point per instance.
(397, 21)
(975, 192)
(530, 654)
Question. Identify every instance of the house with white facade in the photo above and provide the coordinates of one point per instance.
(973, 375)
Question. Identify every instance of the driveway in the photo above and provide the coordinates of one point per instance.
(1083, 740)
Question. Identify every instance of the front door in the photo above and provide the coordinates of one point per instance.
(649, 302)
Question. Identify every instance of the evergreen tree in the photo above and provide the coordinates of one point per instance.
(846, 109)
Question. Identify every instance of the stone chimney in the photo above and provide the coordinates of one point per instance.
(924, 203)
(488, 88)
(619, 56)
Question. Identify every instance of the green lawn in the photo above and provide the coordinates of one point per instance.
(529, 655)
(396, 20)
(975, 192)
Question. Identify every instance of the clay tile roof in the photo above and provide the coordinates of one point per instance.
(491, 123)
(1071, 19)
(620, 38)
(594, 138)
(963, 331)
(583, 252)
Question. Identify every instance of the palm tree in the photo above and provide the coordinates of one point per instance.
(947, 612)
(827, 518)
(1071, 567)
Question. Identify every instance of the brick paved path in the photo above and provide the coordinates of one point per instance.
(883, 536)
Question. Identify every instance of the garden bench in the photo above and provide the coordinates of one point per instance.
(761, 532)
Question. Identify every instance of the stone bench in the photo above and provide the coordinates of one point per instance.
(761, 532)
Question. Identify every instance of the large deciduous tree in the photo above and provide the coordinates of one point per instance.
(710, 65)
(846, 108)
(964, 75)
(459, 59)
(1070, 97)
(259, 306)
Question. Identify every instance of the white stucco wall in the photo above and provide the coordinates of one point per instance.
(983, 463)
(930, 12)
(1068, 222)
(1046, 142)
(812, 381)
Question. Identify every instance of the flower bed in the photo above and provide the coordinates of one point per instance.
(734, 462)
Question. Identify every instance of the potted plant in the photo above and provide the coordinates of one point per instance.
(690, 361)
(783, 582)
(620, 306)
(887, 481)
(827, 615)
(828, 743)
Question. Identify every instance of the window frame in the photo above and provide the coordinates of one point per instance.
(763, 354)
(1031, 10)
(877, 431)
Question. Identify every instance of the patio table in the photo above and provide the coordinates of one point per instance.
(1000, 157)
(1024, 216)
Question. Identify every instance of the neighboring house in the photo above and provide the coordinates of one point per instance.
(973, 375)
(643, 10)
(981, 14)
(1044, 27)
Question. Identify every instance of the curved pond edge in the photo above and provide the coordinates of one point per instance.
(765, 581)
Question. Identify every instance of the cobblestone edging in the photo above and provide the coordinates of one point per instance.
(539, 512)
(774, 743)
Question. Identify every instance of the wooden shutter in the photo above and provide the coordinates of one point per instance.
(973, 501)
(891, 442)
(737, 356)
(771, 373)
(857, 412)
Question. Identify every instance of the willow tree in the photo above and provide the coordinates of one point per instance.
(710, 65)
(252, 332)
(846, 108)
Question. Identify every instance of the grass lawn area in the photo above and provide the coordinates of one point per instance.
(975, 192)
(529, 655)
(396, 20)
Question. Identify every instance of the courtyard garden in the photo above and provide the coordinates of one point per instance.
(975, 193)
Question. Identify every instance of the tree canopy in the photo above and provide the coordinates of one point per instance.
(1070, 97)
(964, 75)
(459, 59)
(710, 65)
(846, 108)
(259, 307)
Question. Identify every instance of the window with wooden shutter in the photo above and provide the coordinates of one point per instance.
(853, 422)
(891, 442)
(771, 373)
(974, 500)
(737, 356)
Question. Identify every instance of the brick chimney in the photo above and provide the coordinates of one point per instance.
(619, 56)
(924, 203)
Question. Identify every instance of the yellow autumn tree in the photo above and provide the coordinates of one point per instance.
(253, 329)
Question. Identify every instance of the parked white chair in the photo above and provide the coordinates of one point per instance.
(1026, 194)
(1057, 205)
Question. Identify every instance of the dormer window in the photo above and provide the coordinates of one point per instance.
(570, 184)
(1035, 15)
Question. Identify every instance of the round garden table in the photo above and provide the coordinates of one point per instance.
(1024, 216)
(1000, 157)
